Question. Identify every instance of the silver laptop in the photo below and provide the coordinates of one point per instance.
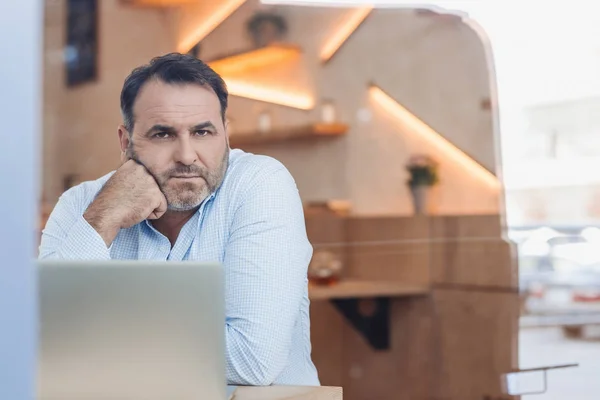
(131, 330)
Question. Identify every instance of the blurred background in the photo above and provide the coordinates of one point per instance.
(450, 147)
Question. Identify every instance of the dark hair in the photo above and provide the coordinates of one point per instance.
(173, 68)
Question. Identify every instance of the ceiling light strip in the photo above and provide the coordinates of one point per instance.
(413, 124)
(209, 24)
(345, 30)
(259, 92)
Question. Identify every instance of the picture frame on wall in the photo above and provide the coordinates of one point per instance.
(81, 52)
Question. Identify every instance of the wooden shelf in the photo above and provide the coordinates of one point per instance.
(358, 288)
(264, 57)
(287, 134)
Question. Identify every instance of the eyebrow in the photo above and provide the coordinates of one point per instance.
(203, 126)
(160, 128)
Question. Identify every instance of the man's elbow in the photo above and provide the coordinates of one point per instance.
(253, 365)
(255, 372)
(45, 254)
(256, 380)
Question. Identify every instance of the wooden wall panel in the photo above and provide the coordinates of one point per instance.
(476, 338)
(389, 249)
(489, 263)
(473, 226)
(327, 337)
(405, 371)
(401, 373)
(471, 251)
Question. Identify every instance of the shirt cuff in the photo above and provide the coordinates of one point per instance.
(83, 242)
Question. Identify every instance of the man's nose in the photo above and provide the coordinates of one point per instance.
(185, 153)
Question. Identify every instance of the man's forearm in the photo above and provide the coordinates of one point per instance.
(79, 242)
(102, 223)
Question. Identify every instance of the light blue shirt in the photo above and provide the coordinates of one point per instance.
(254, 225)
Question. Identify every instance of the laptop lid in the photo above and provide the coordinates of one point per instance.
(131, 330)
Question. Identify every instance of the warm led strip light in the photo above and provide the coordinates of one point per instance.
(207, 26)
(260, 58)
(270, 95)
(343, 32)
(420, 128)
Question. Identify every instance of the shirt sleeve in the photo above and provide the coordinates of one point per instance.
(67, 235)
(266, 262)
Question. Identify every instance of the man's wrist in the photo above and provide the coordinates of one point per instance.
(103, 223)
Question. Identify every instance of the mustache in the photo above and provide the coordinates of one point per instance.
(186, 170)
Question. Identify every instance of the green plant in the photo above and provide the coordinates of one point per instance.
(423, 171)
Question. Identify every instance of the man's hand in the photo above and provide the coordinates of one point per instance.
(130, 196)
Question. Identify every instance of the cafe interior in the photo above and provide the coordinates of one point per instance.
(387, 119)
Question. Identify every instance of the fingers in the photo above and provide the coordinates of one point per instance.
(135, 165)
(133, 170)
(159, 201)
(129, 168)
(143, 186)
(161, 208)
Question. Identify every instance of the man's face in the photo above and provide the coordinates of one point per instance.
(179, 136)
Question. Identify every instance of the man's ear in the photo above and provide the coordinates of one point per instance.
(124, 141)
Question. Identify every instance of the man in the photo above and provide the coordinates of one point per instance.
(181, 194)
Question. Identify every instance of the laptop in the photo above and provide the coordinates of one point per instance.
(131, 330)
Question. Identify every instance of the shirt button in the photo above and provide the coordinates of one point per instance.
(162, 248)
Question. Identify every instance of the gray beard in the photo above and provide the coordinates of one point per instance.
(213, 180)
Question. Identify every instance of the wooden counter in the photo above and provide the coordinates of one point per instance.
(288, 393)
(355, 288)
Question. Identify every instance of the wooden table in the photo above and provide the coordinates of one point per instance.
(287, 393)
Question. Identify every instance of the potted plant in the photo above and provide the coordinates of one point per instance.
(423, 175)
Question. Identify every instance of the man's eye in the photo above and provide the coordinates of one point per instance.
(162, 135)
(202, 132)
